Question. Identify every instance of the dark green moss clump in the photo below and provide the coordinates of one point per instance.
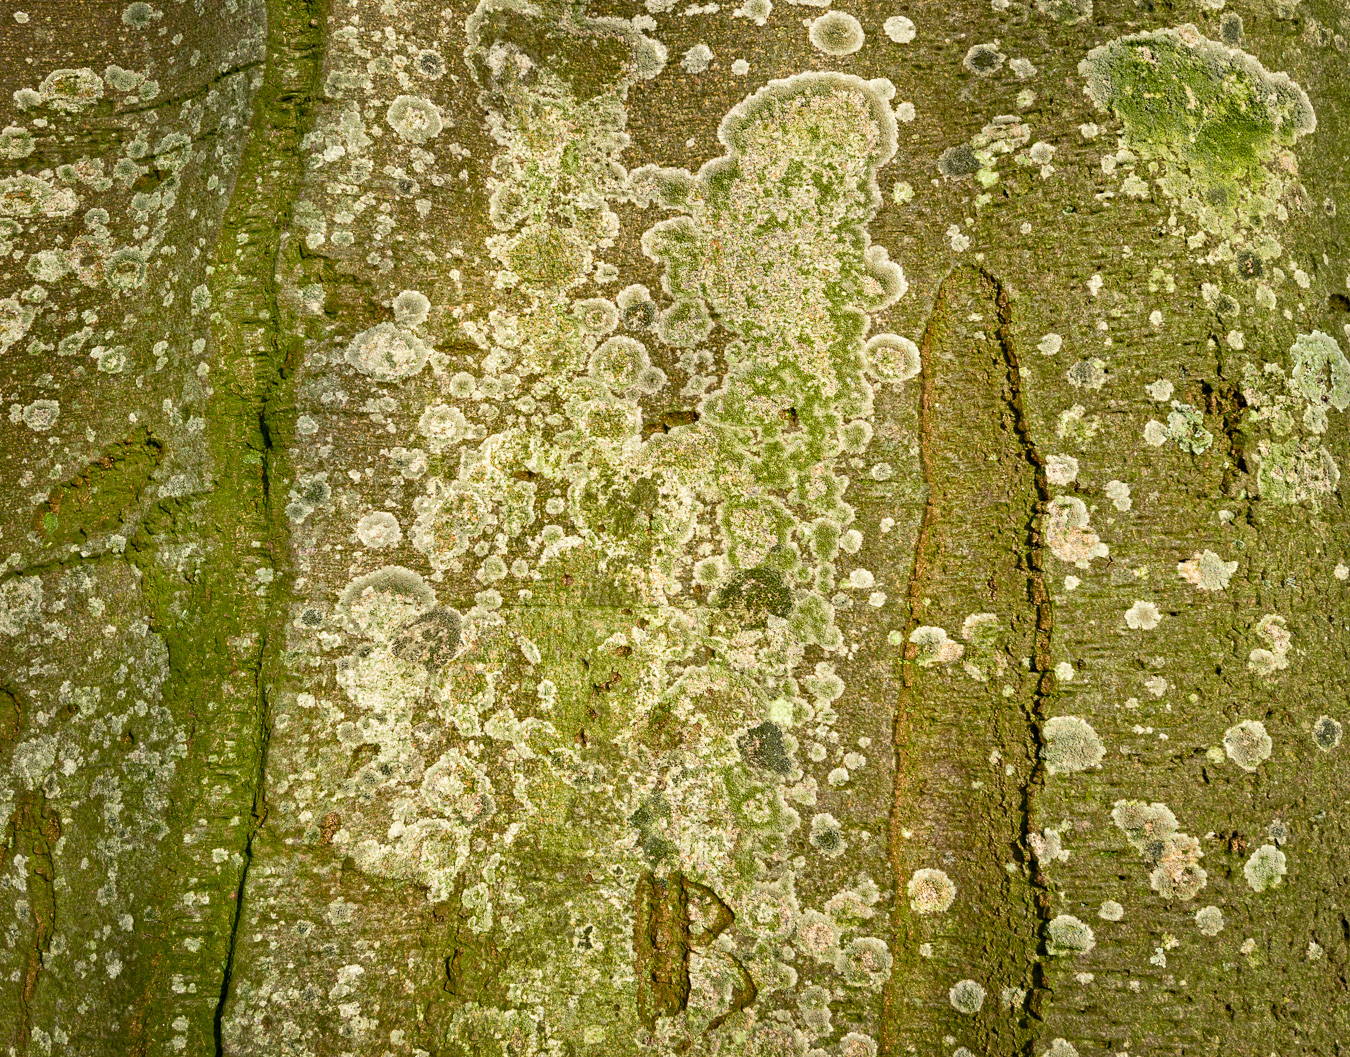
(763, 747)
(757, 592)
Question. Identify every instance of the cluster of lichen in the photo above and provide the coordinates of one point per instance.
(678, 749)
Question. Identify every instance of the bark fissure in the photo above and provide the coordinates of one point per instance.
(913, 591)
(34, 828)
(263, 352)
(1033, 559)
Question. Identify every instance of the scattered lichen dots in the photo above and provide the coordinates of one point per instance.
(930, 891)
(899, 29)
(1247, 744)
(1071, 745)
(1066, 934)
(1209, 920)
(1265, 869)
(1326, 733)
(836, 33)
(966, 996)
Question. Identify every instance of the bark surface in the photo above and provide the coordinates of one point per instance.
(793, 529)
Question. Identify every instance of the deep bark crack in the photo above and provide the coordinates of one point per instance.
(1033, 559)
(283, 113)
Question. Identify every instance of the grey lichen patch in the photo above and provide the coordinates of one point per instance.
(1071, 745)
(1174, 856)
(966, 996)
(1066, 934)
(1070, 12)
(984, 60)
(836, 33)
(1265, 869)
(414, 118)
(1219, 121)
(387, 352)
(1326, 733)
(931, 891)
(1247, 744)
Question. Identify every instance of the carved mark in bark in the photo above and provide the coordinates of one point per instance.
(664, 939)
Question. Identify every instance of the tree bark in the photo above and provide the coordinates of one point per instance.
(786, 530)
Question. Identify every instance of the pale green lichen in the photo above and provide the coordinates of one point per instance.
(1266, 660)
(1320, 375)
(1247, 744)
(1066, 934)
(836, 33)
(1209, 920)
(1071, 745)
(1207, 571)
(1265, 868)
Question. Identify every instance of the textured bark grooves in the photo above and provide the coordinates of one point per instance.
(259, 347)
(968, 765)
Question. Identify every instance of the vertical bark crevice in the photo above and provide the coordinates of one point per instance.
(33, 830)
(260, 350)
(1038, 594)
(975, 680)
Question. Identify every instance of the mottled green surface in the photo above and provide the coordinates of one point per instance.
(526, 535)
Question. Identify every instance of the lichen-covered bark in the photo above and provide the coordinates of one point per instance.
(538, 528)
